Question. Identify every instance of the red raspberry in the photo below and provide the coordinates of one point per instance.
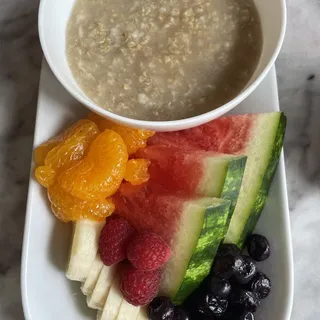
(114, 240)
(147, 251)
(139, 287)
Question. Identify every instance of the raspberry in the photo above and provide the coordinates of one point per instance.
(114, 239)
(139, 287)
(148, 251)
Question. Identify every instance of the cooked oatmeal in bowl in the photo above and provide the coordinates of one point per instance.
(161, 65)
(163, 60)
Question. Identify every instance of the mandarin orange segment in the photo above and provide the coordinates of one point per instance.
(45, 175)
(137, 171)
(76, 141)
(101, 171)
(77, 127)
(69, 208)
(134, 138)
(41, 151)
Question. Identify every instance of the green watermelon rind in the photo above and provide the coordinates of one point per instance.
(266, 182)
(250, 212)
(233, 181)
(212, 233)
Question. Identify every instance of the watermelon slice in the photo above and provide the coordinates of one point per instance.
(190, 173)
(260, 137)
(193, 227)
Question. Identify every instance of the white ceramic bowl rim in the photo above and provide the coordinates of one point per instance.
(161, 125)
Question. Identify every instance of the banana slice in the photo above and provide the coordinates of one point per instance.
(84, 249)
(142, 315)
(100, 292)
(127, 311)
(112, 306)
(87, 287)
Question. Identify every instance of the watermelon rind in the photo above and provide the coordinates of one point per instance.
(222, 177)
(202, 227)
(263, 154)
(232, 182)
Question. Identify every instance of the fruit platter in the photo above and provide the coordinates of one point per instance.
(127, 223)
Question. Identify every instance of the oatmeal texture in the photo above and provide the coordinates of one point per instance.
(165, 59)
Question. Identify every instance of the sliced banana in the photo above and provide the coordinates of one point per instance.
(142, 315)
(84, 249)
(112, 306)
(127, 311)
(101, 290)
(87, 287)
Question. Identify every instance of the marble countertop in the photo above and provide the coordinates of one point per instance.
(298, 68)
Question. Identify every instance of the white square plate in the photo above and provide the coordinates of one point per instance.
(48, 295)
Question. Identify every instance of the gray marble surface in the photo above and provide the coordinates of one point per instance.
(298, 69)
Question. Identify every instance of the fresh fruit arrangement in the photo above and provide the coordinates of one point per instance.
(160, 219)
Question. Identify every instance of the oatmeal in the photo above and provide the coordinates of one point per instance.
(165, 59)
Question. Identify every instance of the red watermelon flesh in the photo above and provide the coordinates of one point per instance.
(224, 135)
(148, 211)
(174, 171)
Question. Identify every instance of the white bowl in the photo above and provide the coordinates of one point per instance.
(53, 18)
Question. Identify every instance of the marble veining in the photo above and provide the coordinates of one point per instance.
(298, 68)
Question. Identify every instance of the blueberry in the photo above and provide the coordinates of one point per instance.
(161, 308)
(218, 286)
(190, 304)
(211, 305)
(261, 285)
(228, 249)
(201, 317)
(243, 300)
(258, 247)
(247, 315)
(244, 269)
(180, 314)
(223, 266)
(228, 315)
(231, 314)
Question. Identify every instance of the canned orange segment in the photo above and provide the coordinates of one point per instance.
(101, 171)
(69, 208)
(134, 139)
(137, 171)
